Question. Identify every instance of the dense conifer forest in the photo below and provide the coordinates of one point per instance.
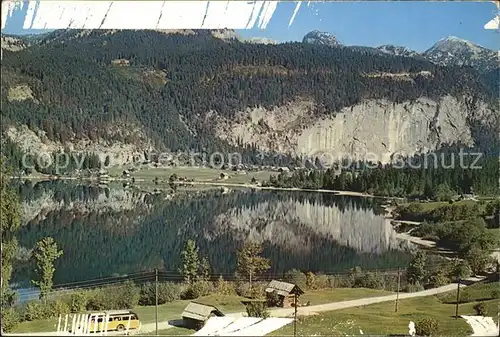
(173, 78)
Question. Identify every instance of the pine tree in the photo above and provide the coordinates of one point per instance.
(190, 262)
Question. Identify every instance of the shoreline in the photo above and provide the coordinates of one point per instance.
(209, 183)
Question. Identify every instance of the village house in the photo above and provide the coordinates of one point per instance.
(286, 293)
(196, 314)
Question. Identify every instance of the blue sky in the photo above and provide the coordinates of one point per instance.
(414, 24)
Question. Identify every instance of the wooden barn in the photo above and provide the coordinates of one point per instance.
(284, 291)
(196, 314)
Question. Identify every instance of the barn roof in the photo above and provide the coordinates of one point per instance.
(200, 312)
(283, 288)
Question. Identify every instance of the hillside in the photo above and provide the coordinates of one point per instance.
(125, 93)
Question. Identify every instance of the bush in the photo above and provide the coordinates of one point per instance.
(257, 309)
(427, 327)
(197, 289)
(98, 300)
(369, 280)
(481, 309)
(35, 310)
(412, 288)
(311, 281)
(461, 269)
(127, 296)
(77, 302)
(222, 287)
(495, 294)
(56, 308)
(257, 290)
(297, 277)
(324, 281)
(167, 292)
(243, 289)
(439, 278)
(10, 318)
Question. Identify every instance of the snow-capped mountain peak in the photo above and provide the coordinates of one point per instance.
(453, 50)
(321, 38)
(397, 50)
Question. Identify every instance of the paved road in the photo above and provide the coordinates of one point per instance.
(286, 312)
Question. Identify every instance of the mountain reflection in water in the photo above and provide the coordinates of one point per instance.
(107, 231)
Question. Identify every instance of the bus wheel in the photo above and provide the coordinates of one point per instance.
(120, 327)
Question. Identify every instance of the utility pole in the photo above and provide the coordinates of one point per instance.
(397, 293)
(458, 298)
(295, 317)
(156, 300)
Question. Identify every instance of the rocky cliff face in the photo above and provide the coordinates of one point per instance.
(373, 130)
(120, 152)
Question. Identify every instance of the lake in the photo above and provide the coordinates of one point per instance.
(116, 231)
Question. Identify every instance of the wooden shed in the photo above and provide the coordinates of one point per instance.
(285, 291)
(196, 314)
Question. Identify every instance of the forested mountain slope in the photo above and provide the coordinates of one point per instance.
(126, 92)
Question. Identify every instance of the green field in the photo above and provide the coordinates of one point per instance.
(429, 206)
(199, 174)
(381, 319)
(227, 304)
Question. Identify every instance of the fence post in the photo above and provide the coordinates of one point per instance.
(59, 325)
(66, 324)
(397, 294)
(73, 324)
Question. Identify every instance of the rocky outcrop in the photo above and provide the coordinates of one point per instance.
(119, 152)
(374, 130)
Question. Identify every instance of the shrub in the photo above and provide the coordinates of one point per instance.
(369, 280)
(495, 294)
(243, 289)
(10, 318)
(311, 281)
(222, 287)
(481, 309)
(98, 300)
(36, 310)
(426, 327)
(297, 277)
(127, 296)
(439, 278)
(257, 309)
(324, 281)
(412, 288)
(257, 290)
(461, 269)
(344, 282)
(197, 289)
(56, 308)
(77, 302)
(167, 292)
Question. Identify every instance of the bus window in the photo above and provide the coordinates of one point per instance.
(135, 317)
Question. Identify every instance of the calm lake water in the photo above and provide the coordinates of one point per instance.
(115, 231)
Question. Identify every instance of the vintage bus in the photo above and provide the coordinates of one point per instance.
(118, 320)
